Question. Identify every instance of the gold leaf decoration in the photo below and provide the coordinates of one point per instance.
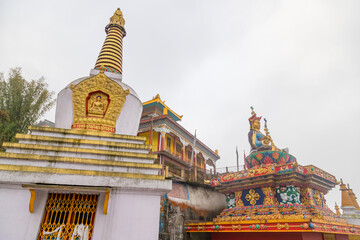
(100, 85)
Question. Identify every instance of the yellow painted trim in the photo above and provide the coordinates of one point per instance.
(82, 141)
(79, 150)
(86, 132)
(20, 168)
(32, 200)
(109, 56)
(112, 39)
(166, 171)
(252, 221)
(79, 160)
(317, 231)
(64, 187)
(106, 201)
(165, 106)
(271, 221)
(114, 36)
(114, 29)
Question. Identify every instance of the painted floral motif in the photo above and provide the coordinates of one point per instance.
(268, 160)
(269, 157)
(281, 161)
(254, 162)
(275, 155)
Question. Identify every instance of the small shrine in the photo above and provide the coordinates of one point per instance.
(275, 197)
(349, 205)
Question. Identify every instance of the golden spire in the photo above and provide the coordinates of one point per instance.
(111, 53)
(353, 198)
(345, 198)
(337, 210)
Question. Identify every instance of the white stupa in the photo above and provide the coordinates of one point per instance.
(90, 177)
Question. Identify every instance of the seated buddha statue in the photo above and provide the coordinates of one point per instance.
(96, 108)
(257, 140)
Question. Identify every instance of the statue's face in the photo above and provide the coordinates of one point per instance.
(98, 99)
(256, 125)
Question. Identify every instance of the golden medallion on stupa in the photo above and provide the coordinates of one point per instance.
(97, 103)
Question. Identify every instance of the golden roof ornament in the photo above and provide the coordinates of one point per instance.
(337, 210)
(102, 68)
(117, 18)
(111, 52)
(345, 197)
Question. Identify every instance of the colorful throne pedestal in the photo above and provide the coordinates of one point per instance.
(274, 198)
(280, 196)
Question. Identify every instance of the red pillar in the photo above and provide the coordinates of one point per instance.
(183, 153)
(151, 135)
(162, 141)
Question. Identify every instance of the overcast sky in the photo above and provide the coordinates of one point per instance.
(296, 62)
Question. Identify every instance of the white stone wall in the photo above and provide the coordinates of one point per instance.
(16, 222)
(351, 215)
(131, 214)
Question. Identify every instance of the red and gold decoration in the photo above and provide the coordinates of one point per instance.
(97, 103)
(275, 194)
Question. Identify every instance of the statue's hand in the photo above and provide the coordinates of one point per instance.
(267, 140)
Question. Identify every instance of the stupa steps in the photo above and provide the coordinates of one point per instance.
(78, 164)
(79, 152)
(85, 134)
(42, 174)
(99, 156)
(82, 143)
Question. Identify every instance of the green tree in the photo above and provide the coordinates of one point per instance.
(22, 103)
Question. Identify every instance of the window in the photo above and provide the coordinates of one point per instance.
(68, 216)
(178, 148)
(168, 143)
(189, 155)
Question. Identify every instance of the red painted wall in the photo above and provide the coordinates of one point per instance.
(342, 237)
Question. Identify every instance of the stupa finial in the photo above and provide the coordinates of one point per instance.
(345, 197)
(117, 18)
(111, 53)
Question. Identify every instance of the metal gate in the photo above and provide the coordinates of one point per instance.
(68, 216)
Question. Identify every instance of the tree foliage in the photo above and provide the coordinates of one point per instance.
(22, 103)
